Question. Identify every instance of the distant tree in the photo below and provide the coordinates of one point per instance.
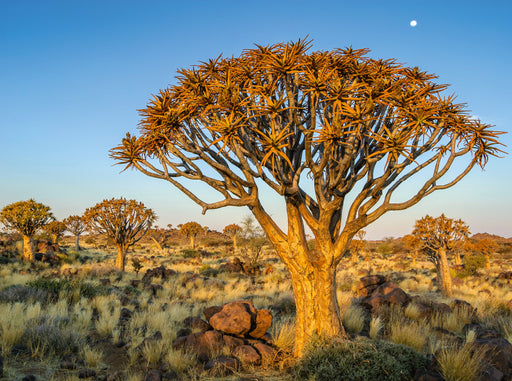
(123, 221)
(159, 236)
(55, 229)
(233, 231)
(385, 248)
(191, 230)
(413, 244)
(254, 239)
(438, 237)
(76, 226)
(487, 247)
(336, 134)
(26, 217)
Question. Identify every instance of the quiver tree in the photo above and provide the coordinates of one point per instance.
(439, 236)
(123, 221)
(358, 245)
(413, 244)
(26, 217)
(487, 247)
(232, 231)
(159, 236)
(55, 229)
(76, 226)
(191, 231)
(315, 128)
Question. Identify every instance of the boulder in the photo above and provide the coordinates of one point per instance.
(210, 311)
(202, 343)
(498, 353)
(195, 322)
(235, 318)
(232, 342)
(368, 284)
(153, 375)
(267, 353)
(222, 365)
(263, 323)
(247, 355)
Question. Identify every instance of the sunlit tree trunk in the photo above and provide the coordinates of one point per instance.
(235, 244)
(28, 249)
(456, 258)
(443, 273)
(121, 256)
(193, 242)
(487, 261)
(414, 254)
(77, 243)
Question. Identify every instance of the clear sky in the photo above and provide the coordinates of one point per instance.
(74, 73)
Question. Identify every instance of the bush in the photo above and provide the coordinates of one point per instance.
(24, 294)
(72, 288)
(472, 263)
(208, 271)
(359, 361)
(50, 337)
(189, 253)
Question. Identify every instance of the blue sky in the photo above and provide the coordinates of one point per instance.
(74, 73)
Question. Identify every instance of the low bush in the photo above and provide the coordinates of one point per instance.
(25, 294)
(359, 361)
(73, 288)
(189, 253)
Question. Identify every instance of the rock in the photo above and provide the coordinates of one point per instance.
(195, 322)
(1, 366)
(67, 364)
(86, 373)
(267, 353)
(505, 275)
(183, 332)
(368, 284)
(157, 272)
(232, 342)
(105, 282)
(498, 353)
(222, 365)
(481, 332)
(29, 377)
(462, 306)
(235, 318)
(125, 314)
(153, 375)
(247, 355)
(263, 323)
(201, 343)
(170, 375)
(236, 266)
(427, 375)
(154, 288)
(385, 288)
(490, 373)
(210, 311)
(135, 283)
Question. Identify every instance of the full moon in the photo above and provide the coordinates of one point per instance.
(413, 23)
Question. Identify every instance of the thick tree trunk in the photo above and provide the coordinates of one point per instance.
(235, 244)
(193, 242)
(318, 313)
(77, 243)
(120, 259)
(443, 273)
(413, 256)
(28, 249)
(456, 258)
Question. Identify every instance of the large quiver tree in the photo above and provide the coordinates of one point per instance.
(315, 127)
(124, 221)
(26, 217)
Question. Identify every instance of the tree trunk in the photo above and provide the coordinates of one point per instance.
(77, 243)
(413, 256)
(487, 261)
(28, 249)
(121, 255)
(54, 239)
(456, 258)
(317, 308)
(193, 242)
(235, 244)
(443, 273)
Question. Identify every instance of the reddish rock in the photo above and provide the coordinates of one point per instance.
(235, 318)
(368, 284)
(196, 323)
(222, 365)
(267, 353)
(498, 353)
(263, 323)
(201, 343)
(153, 375)
(210, 311)
(232, 342)
(247, 355)
(385, 288)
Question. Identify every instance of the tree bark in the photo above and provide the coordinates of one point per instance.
(456, 258)
(77, 243)
(443, 273)
(193, 242)
(487, 261)
(413, 256)
(318, 314)
(121, 256)
(235, 244)
(28, 249)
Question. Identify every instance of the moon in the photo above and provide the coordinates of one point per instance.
(413, 23)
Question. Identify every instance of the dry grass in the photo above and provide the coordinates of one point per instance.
(354, 317)
(460, 363)
(411, 334)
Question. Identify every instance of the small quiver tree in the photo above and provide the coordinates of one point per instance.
(123, 221)
(233, 231)
(191, 230)
(159, 236)
(413, 244)
(487, 247)
(76, 226)
(439, 236)
(55, 229)
(26, 217)
(334, 133)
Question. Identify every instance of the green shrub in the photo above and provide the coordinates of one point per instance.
(472, 263)
(189, 253)
(207, 270)
(359, 361)
(20, 293)
(73, 289)
(50, 337)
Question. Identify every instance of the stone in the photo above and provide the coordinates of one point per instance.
(67, 364)
(385, 288)
(222, 365)
(462, 306)
(427, 375)
(490, 373)
(247, 355)
(170, 375)
(481, 332)
(153, 375)
(116, 376)
(210, 311)
(368, 284)
(235, 318)
(29, 377)
(195, 322)
(135, 283)
(183, 332)
(498, 353)
(232, 342)
(263, 323)
(201, 343)
(267, 353)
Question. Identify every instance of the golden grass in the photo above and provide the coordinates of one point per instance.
(376, 326)
(460, 363)
(92, 356)
(283, 335)
(354, 317)
(410, 334)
